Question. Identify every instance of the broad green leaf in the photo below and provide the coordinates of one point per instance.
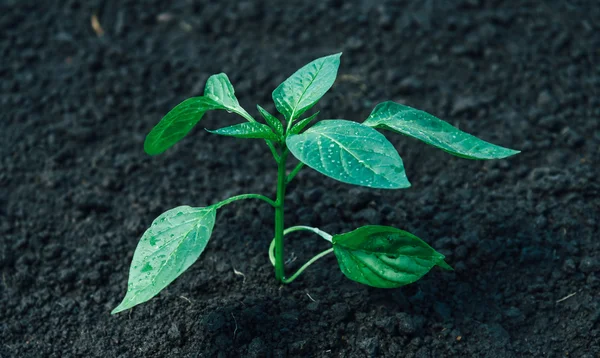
(219, 89)
(177, 123)
(247, 130)
(434, 131)
(384, 257)
(173, 243)
(306, 86)
(298, 127)
(271, 120)
(351, 153)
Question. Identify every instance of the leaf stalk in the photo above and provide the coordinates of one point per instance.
(242, 197)
(306, 265)
(292, 175)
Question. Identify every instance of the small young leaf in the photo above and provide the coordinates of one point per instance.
(384, 257)
(431, 130)
(271, 120)
(298, 127)
(306, 86)
(351, 153)
(173, 243)
(177, 123)
(219, 89)
(218, 94)
(247, 130)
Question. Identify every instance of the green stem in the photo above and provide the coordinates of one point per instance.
(279, 212)
(242, 197)
(247, 116)
(289, 123)
(321, 233)
(294, 172)
(272, 252)
(250, 119)
(305, 266)
(273, 150)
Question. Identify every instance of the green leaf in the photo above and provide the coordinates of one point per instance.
(219, 89)
(351, 153)
(177, 123)
(218, 94)
(384, 257)
(306, 86)
(247, 130)
(431, 130)
(298, 127)
(173, 242)
(271, 120)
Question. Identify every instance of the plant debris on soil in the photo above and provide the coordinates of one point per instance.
(84, 81)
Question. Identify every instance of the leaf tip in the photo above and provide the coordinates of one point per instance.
(119, 308)
(444, 265)
(503, 153)
(512, 152)
(337, 57)
(404, 185)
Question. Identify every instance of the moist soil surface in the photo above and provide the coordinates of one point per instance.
(77, 190)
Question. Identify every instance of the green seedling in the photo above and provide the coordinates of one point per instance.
(351, 152)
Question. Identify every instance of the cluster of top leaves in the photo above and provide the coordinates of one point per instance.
(351, 152)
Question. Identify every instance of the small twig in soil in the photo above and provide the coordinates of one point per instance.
(240, 274)
(236, 326)
(291, 259)
(164, 17)
(96, 26)
(312, 299)
(185, 26)
(567, 297)
(187, 299)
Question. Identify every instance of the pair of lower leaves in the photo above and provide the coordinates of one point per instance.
(378, 256)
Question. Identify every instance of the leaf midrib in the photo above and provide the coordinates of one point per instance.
(304, 92)
(450, 147)
(352, 154)
(378, 274)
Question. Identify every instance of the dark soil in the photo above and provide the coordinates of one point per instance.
(77, 190)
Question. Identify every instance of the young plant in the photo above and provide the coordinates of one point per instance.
(353, 153)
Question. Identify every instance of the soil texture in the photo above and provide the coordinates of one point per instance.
(84, 81)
